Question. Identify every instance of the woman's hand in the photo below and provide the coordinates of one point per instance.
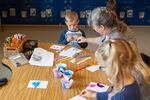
(88, 94)
(81, 39)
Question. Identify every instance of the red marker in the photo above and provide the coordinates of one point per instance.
(82, 93)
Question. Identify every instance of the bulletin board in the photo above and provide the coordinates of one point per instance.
(51, 12)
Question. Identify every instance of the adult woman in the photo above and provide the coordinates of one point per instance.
(105, 23)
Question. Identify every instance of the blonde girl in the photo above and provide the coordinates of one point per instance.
(120, 59)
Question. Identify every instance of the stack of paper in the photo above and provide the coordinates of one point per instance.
(70, 52)
(93, 68)
(57, 47)
(41, 57)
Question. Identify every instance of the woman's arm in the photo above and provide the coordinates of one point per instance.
(95, 41)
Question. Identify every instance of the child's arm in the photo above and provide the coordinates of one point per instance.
(88, 94)
(62, 38)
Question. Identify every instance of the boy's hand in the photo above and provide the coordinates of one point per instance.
(88, 94)
(69, 38)
(81, 39)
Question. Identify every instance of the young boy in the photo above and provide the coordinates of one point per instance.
(69, 36)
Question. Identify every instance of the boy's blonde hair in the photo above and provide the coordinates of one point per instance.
(121, 59)
(71, 16)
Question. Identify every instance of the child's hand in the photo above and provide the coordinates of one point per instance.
(75, 38)
(81, 39)
(88, 94)
(69, 38)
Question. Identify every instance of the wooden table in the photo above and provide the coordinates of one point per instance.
(16, 89)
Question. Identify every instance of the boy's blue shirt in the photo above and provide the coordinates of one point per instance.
(129, 92)
(63, 39)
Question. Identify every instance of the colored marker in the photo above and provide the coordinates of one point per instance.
(64, 59)
(84, 60)
(82, 93)
(84, 56)
(59, 57)
(101, 67)
(100, 85)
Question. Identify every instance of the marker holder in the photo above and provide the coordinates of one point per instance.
(13, 51)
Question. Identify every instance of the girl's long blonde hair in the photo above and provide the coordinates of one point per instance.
(120, 59)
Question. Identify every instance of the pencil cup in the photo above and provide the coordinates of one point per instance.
(67, 74)
(57, 74)
(66, 84)
(61, 67)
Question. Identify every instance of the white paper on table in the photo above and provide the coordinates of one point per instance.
(41, 57)
(57, 47)
(78, 97)
(97, 88)
(93, 68)
(70, 52)
(37, 84)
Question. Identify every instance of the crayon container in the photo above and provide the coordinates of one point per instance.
(66, 84)
(67, 74)
(57, 74)
(61, 67)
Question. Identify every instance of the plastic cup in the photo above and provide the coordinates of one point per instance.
(67, 74)
(66, 83)
(57, 74)
(61, 67)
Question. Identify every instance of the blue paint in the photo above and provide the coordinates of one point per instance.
(36, 84)
(68, 72)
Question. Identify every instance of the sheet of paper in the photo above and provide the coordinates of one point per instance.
(37, 84)
(94, 87)
(78, 97)
(41, 57)
(93, 68)
(70, 52)
(57, 47)
(18, 59)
